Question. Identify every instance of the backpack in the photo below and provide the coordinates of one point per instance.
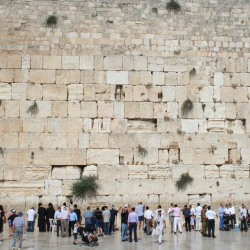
(186, 212)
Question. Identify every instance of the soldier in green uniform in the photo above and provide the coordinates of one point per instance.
(204, 220)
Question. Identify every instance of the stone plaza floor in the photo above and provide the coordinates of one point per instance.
(191, 240)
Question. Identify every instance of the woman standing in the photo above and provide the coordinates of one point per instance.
(41, 217)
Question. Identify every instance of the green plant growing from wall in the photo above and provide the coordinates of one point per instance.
(33, 109)
(51, 21)
(203, 107)
(142, 151)
(192, 72)
(217, 183)
(182, 183)
(155, 10)
(173, 5)
(1, 151)
(32, 155)
(85, 188)
(186, 107)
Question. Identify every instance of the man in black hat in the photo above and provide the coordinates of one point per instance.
(18, 225)
(41, 218)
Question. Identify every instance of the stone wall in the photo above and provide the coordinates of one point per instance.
(111, 78)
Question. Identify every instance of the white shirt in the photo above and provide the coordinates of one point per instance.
(31, 214)
(232, 209)
(148, 214)
(169, 210)
(65, 208)
(243, 213)
(159, 220)
(192, 211)
(162, 212)
(75, 228)
(227, 210)
(198, 211)
(210, 214)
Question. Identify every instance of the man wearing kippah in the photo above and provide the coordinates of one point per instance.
(18, 225)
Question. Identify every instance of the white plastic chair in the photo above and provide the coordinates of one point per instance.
(52, 225)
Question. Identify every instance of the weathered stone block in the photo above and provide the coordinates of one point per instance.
(122, 141)
(140, 63)
(42, 76)
(218, 79)
(105, 109)
(66, 173)
(21, 75)
(54, 92)
(98, 140)
(87, 62)
(5, 91)
(160, 172)
(168, 94)
(90, 171)
(62, 77)
(138, 172)
(14, 62)
(19, 91)
(53, 187)
(75, 92)
(52, 62)
(117, 77)
(146, 110)
(70, 62)
(103, 156)
(140, 93)
(132, 110)
(6, 75)
(59, 109)
(89, 109)
(158, 78)
(113, 62)
(25, 61)
(36, 62)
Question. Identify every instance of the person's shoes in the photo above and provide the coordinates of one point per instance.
(213, 237)
(74, 243)
(208, 236)
(190, 230)
(174, 232)
(136, 240)
(13, 248)
(180, 232)
(124, 240)
(130, 241)
(205, 235)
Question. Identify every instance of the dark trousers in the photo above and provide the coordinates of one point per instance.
(112, 226)
(132, 226)
(42, 229)
(30, 226)
(233, 220)
(243, 223)
(71, 226)
(187, 222)
(58, 224)
(210, 226)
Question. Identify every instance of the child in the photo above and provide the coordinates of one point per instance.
(75, 232)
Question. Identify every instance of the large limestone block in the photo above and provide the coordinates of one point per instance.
(128, 62)
(52, 62)
(74, 109)
(126, 156)
(107, 187)
(33, 125)
(83, 140)
(90, 171)
(98, 62)
(113, 62)
(160, 172)
(99, 77)
(11, 125)
(245, 156)
(59, 109)
(19, 91)
(241, 94)
(66, 187)
(155, 63)
(53, 187)
(211, 172)
(54, 140)
(75, 92)
(105, 109)
(89, 109)
(73, 140)
(140, 93)
(119, 125)
(163, 156)
(145, 78)
(155, 94)
(36, 62)
(98, 140)
(119, 109)
(7, 75)
(42, 76)
(25, 61)
(160, 110)
(116, 172)
(127, 93)
(218, 79)
(158, 78)
(87, 76)
(102, 156)
(62, 77)
(151, 186)
(122, 140)
(150, 158)
(132, 110)
(146, 110)
(220, 110)
(34, 91)
(54, 92)
(196, 171)
(206, 94)
(181, 93)
(19, 157)
(66, 173)
(74, 76)
(226, 94)
(5, 91)
(117, 77)
(138, 172)
(14, 62)
(171, 78)
(38, 173)
(11, 109)
(140, 63)
(168, 94)
(12, 173)
(70, 62)
(189, 126)
(21, 75)
(87, 62)
(172, 109)
(175, 65)
(138, 126)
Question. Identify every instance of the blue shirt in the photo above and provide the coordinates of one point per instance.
(139, 209)
(87, 214)
(221, 210)
(58, 215)
(73, 216)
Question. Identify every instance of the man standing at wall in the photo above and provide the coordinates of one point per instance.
(78, 213)
(72, 220)
(65, 222)
(204, 220)
(198, 217)
(106, 218)
(11, 219)
(58, 220)
(177, 219)
(31, 217)
(242, 217)
(87, 216)
(211, 222)
(186, 213)
(232, 214)
(113, 214)
(41, 218)
(124, 221)
(18, 226)
(140, 213)
(221, 213)
(132, 224)
(171, 217)
(148, 215)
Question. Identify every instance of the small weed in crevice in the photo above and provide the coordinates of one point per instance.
(155, 10)
(189, 138)
(230, 131)
(203, 107)
(177, 52)
(173, 5)
(175, 161)
(192, 72)
(142, 151)
(212, 149)
(33, 109)
(51, 21)
(217, 183)
(32, 155)
(1, 151)
(109, 21)
(0, 102)
(187, 107)
(233, 176)
(182, 183)
(180, 132)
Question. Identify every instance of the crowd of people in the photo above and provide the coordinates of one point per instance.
(68, 221)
